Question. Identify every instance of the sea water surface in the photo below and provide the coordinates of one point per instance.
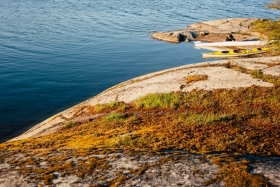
(57, 53)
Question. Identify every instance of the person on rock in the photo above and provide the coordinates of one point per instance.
(230, 37)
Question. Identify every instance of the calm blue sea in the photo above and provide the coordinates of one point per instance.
(57, 53)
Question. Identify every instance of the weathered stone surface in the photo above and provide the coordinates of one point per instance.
(174, 37)
(275, 70)
(139, 169)
(223, 25)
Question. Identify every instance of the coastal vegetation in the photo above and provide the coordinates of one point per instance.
(269, 28)
(244, 121)
(235, 121)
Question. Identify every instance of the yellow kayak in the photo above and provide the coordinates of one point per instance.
(235, 53)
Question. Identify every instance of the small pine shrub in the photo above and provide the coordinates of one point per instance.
(257, 74)
(70, 124)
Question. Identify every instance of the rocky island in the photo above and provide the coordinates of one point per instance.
(203, 124)
(211, 31)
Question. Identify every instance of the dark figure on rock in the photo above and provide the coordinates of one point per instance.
(230, 37)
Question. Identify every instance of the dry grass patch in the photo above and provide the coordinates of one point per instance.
(65, 162)
(244, 120)
(195, 78)
(236, 173)
(117, 106)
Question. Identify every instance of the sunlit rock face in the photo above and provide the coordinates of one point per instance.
(215, 30)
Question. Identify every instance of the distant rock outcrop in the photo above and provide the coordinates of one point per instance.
(215, 30)
(175, 36)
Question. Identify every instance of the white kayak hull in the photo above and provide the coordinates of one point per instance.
(229, 43)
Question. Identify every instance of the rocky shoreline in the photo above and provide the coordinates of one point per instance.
(173, 78)
(76, 166)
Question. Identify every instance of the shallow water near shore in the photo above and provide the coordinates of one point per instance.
(55, 54)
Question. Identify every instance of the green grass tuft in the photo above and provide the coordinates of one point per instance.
(114, 116)
(70, 124)
(164, 100)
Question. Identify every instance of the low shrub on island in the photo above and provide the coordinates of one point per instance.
(269, 28)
